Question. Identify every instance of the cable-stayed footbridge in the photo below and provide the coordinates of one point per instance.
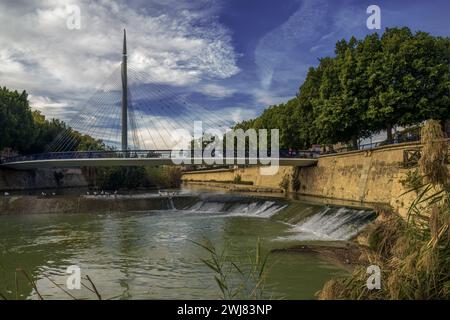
(131, 121)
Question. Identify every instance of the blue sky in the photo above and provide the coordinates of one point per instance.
(231, 57)
(279, 40)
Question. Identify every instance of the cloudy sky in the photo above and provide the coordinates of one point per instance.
(230, 57)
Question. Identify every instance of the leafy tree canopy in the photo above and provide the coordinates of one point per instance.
(370, 85)
(27, 131)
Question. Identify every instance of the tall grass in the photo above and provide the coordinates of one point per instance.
(29, 281)
(237, 280)
(413, 255)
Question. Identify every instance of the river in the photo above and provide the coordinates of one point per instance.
(152, 255)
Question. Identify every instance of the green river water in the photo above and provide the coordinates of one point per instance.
(150, 254)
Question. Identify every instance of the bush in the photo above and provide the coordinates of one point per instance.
(137, 177)
(412, 181)
(284, 184)
(295, 181)
(114, 178)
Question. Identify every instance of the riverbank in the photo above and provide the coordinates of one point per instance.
(106, 178)
(345, 255)
(20, 180)
(230, 186)
(374, 177)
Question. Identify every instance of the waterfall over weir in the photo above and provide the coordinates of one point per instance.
(307, 221)
(332, 223)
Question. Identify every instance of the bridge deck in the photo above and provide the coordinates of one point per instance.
(105, 162)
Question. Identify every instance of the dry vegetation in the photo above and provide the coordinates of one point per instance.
(414, 255)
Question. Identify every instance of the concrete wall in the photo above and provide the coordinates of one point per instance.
(252, 174)
(365, 176)
(11, 179)
(247, 174)
(87, 204)
(219, 175)
(372, 176)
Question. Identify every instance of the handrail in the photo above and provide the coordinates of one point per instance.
(165, 154)
(283, 153)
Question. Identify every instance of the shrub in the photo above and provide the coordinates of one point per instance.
(284, 184)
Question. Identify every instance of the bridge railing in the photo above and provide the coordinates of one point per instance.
(165, 154)
(90, 155)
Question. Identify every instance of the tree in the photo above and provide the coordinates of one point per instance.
(45, 131)
(27, 131)
(369, 85)
(409, 80)
(16, 121)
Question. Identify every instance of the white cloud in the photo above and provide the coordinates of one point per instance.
(266, 98)
(216, 91)
(240, 114)
(179, 45)
(158, 132)
(44, 103)
(273, 51)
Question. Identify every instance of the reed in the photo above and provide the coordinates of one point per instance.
(414, 255)
(237, 280)
(29, 281)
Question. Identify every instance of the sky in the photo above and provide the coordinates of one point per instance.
(219, 61)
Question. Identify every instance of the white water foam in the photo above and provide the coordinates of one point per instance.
(256, 209)
(331, 224)
(207, 207)
(261, 209)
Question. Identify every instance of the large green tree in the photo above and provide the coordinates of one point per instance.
(409, 79)
(27, 131)
(401, 78)
(16, 121)
(45, 131)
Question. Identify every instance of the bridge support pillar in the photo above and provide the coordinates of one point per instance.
(124, 95)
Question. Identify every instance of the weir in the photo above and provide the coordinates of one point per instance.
(307, 220)
(372, 177)
(147, 226)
